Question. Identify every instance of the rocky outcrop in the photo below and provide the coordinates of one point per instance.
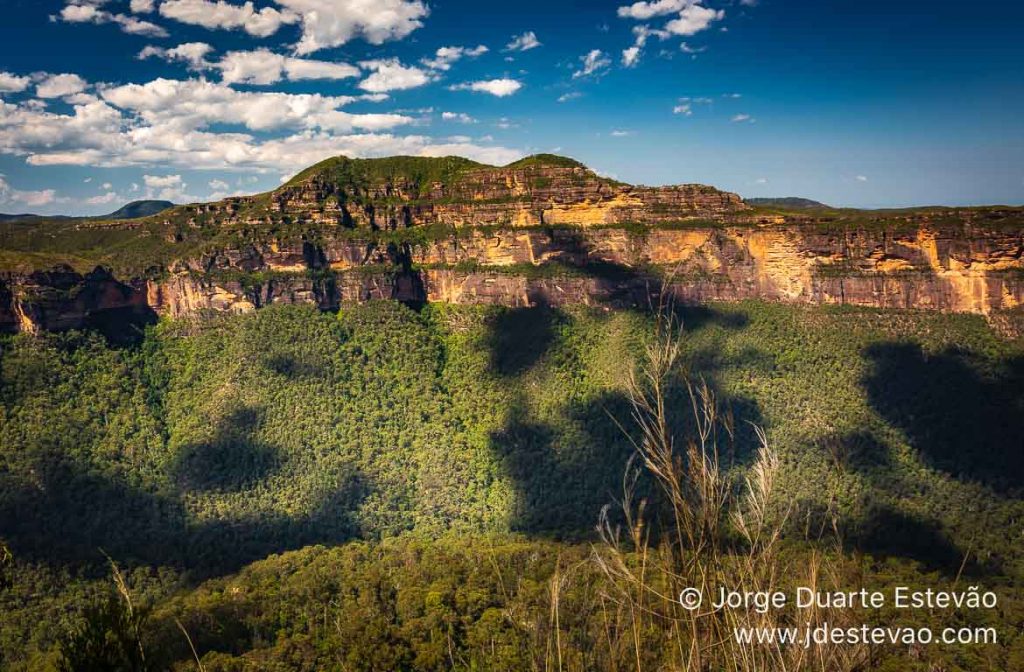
(927, 268)
(542, 230)
(537, 194)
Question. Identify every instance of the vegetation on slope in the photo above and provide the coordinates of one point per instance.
(214, 444)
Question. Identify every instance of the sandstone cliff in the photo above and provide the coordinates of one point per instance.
(544, 230)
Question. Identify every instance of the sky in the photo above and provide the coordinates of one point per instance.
(854, 103)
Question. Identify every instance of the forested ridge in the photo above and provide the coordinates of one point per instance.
(426, 473)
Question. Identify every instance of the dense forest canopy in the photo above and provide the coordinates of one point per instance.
(210, 444)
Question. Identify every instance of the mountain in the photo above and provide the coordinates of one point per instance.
(543, 230)
(133, 210)
(29, 217)
(137, 209)
(787, 202)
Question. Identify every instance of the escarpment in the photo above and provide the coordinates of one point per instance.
(542, 230)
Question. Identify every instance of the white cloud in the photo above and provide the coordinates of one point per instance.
(524, 42)
(331, 23)
(30, 198)
(496, 87)
(390, 75)
(214, 14)
(196, 104)
(630, 56)
(460, 117)
(162, 181)
(593, 62)
(566, 97)
(265, 67)
(107, 185)
(445, 56)
(643, 32)
(761, 180)
(219, 185)
(167, 188)
(188, 124)
(142, 6)
(693, 19)
(81, 12)
(684, 109)
(642, 11)
(56, 86)
(741, 118)
(12, 83)
(260, 66)
(617, 133)
(192, 53)
(861, 178)
(102, 199)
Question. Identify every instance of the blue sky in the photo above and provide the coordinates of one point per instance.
(866, 104)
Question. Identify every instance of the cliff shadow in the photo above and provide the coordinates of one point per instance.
(70, 516)
(232, 460)
(122, 326)
(887, 532)
(566, 464)
(963, 420)
(518, 337)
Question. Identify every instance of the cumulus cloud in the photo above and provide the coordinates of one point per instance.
(445, 56)
(265, 67)
(390, 75)
(197, 104)
(168, 123)
(192, 53)
(630, 56)
(524, 42)
(30, 198)
(693, 19)
(142, 6)
(218, 14)
(10, 83)
(741, 118)
(684, 109)
(330, 23)
(594, 61)
(260, 66)
(496, 87)
(167, 188)
(56, 86)
(102, 199)
(81, 11)
(642, 11)
(460, 117)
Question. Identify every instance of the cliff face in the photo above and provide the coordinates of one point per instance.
(921, 269)
(539, 231)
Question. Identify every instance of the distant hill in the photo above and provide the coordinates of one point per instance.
(132, 210)
(137, 209)
(791, 202)
(27, 217)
